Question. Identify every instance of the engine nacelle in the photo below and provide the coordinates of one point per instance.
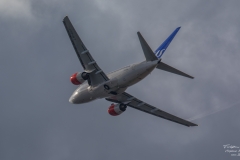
(79, 78)
(116, 109)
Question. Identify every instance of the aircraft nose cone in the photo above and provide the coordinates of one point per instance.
(71, 100)
(77, 98)
(80, 97)
(74, 98)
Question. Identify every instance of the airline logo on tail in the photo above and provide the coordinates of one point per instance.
(162, 48)
(159, 53)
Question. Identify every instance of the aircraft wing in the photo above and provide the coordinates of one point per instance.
(97, 76)
(133, 102)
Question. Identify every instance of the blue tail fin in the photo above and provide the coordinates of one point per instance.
(162, 48)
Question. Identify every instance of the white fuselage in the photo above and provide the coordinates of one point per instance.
(119, 81)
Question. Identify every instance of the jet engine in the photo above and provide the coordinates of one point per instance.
(116, 109)
(79, 77)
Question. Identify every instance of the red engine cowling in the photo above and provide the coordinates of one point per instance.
(76, 78)
(116, 109)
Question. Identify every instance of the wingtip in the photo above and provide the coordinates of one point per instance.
(139, 34)
(188, 76)
(65, 18)
(195, 125)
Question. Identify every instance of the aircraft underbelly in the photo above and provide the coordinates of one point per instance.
(138, 78)
(119, 81)
(135, 75)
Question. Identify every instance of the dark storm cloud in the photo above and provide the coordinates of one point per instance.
(37, 59)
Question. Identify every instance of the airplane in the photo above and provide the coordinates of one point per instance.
(95, 84)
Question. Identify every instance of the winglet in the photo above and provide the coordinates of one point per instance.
(162, 48)
(150, 56)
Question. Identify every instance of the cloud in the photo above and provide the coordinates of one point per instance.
(37, 59)
(15, 9)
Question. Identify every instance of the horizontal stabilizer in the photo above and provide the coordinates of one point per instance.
(149, 54)
(168, 68)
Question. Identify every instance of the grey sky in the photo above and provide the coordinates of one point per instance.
(37, 121)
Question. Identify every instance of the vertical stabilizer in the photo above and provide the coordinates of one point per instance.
(162, 48)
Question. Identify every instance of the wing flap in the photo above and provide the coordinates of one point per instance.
(97, 76)
(142, 106)
(77, 43)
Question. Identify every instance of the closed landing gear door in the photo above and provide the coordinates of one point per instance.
(111, 86)
(113, 83)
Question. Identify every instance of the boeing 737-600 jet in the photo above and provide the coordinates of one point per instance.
(95, 84)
